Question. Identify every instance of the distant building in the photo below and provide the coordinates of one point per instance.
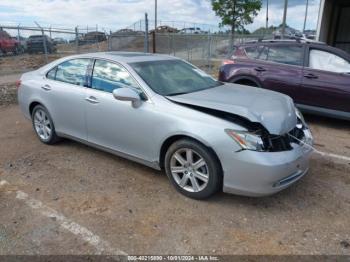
(333, 23)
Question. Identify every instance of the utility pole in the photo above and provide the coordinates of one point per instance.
(267, 14)
(146, 48)
(155, 26)
(76, 39)
(155, 14)
(284, 18)
(306, 10)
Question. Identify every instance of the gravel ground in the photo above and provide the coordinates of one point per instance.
(22, 63)
(136, 210)
(8, 94)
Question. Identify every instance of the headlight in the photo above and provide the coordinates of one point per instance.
(246, 140)
(300, 116)
(307, 139)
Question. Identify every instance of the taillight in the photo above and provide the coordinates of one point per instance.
(228, 62)
(18, 83)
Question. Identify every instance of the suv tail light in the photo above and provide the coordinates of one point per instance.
(228, 62)
(18, 83)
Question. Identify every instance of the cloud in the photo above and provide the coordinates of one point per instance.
(295, 14)
(116, 14)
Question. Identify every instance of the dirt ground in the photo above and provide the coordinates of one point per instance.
(134, 209)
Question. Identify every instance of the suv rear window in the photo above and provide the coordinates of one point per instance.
(323, 60)
(286, 54)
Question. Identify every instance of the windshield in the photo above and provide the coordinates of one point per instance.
(173, 77)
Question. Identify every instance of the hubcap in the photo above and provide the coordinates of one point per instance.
(42, 124)
(189, 170)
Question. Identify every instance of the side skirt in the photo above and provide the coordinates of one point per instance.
(324, 111)
(154, 165)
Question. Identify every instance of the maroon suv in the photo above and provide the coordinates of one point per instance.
(315, 75)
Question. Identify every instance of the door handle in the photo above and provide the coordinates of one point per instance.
(259, 69)
(92, 100)
(311, 76)
(46, 87)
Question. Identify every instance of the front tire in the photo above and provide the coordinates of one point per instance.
(43, 125)
(193, 169)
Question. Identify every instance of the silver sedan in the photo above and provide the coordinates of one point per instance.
(167, 114)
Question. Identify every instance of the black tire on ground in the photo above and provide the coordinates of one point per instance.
(215, 171)
(52, 138)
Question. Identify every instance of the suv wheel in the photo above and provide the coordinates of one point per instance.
(193, 169)
(43, 125)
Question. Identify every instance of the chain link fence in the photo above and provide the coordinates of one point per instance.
(31, 47)
(24, 48)
(206, 50)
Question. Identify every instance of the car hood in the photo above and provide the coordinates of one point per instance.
(273, 110)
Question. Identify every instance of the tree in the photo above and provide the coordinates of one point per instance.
(236, 13)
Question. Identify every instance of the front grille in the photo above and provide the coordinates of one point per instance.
(277, 143)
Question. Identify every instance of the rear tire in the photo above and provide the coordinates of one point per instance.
(43, 125)
(193, 169)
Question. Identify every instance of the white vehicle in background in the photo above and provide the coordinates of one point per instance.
(191, 30)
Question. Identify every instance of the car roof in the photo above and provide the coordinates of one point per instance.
(285, 41)
(127, 57)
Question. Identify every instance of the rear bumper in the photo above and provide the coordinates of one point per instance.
(254, 173)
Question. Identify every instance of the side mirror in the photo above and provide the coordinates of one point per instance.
(127, 94)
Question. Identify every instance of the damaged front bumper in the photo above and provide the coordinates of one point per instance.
(253, 173)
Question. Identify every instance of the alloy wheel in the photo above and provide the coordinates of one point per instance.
(189, 170)
(42, 124)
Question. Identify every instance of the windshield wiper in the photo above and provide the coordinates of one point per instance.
(218, 83)
(176, 94)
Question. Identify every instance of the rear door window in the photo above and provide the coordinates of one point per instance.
(286, 54)
(73, 71)
(52, 74)
(323, 60)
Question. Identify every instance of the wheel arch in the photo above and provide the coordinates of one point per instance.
(32, 105)
(246, 78)
(172, 139)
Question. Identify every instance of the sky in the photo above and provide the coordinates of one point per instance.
(117, 14)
